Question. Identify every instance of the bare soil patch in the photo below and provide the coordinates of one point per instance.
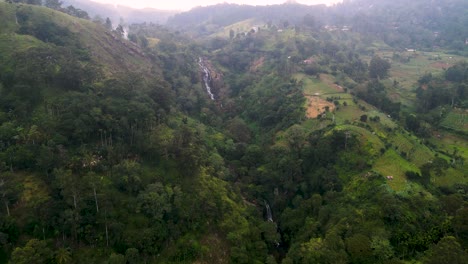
(257, 64)
(316, 106)
(441, 65)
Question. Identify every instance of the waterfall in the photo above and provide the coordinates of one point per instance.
(268, 209)
(270, 219)
(206, 78)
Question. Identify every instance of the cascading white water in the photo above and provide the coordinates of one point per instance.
(270, 219)
(269, 215)
(206, 78)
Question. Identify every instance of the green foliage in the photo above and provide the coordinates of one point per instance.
(63, 256)
(116, 259)
(43, 29)
(54, 4)
(359, 248)
(447, 250)
(35, 251)
(156, 201)
(378, 67)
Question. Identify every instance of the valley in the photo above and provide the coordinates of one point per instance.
(235, 134)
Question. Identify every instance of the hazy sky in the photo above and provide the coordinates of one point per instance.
(185, 4)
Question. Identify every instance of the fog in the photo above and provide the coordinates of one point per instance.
(186, 5)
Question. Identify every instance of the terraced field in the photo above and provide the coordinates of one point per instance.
(456, 120)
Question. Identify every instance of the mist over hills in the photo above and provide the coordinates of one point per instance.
(128, 14)
(417, 24)
(235, 134)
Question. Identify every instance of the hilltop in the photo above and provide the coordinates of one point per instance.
(117, 12)
(28, 28)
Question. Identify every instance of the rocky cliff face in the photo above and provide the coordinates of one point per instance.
(215, 79)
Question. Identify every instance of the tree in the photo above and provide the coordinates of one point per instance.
(363, 118)
(120, 30)
(108, 24)
(239, 130)
(381, 249)
(447, 250)
(309, 21)
(127, 176)
(96, 183)
(70, 186)
(359, 248)
(54, 4)
(156, 201)
(33, 2)
(460, 225)
(378, 67)
(116, 259)
(35, 251)
(63, 256)
(132, 256)
(76, 12)
(9, 191)
(457, 73)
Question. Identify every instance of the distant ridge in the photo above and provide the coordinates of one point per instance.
(128, 14)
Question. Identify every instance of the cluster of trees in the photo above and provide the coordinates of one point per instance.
(438, 93)
(57, 5)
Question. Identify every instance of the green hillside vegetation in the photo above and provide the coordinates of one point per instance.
(323, 144)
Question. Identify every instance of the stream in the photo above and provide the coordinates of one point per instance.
(206, 78)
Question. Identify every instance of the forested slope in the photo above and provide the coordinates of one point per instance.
(97, 161)
(400, 24)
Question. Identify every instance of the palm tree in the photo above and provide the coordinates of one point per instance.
(63, 256)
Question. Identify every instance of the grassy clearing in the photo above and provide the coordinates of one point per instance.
(408, 67)
(7, 18)
(384, 119)
(315, 124)
(392, 164)
(239, 27)
(348, 113)
(411, 148)
(11, 43)
(322, 86)
(318, 90)
(449, 143)
(456, 120)
(370, 141)
(451, 177)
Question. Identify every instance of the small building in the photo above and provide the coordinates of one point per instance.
(346, 28)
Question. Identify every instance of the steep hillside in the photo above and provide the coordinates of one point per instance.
(28, 27)
(98, 162)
